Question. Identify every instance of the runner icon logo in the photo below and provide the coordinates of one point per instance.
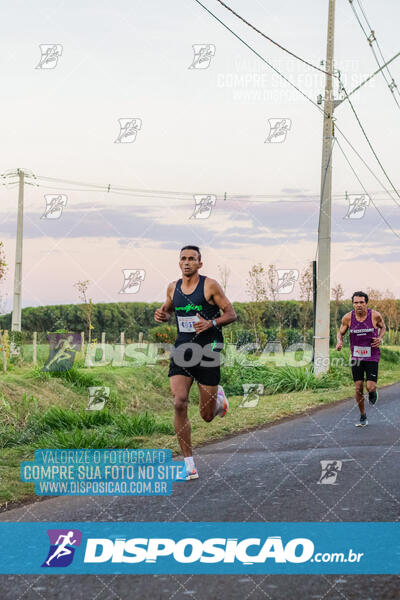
(278, 129)
(203, 54)
(63, 543)
(251, 394)
(132, 280)
(203, 205)
(97, 397)
(329, 471)
(55, 203)
(357, 206)
(50, 53)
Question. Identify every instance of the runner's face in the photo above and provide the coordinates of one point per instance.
(359, 304)
(189, 262)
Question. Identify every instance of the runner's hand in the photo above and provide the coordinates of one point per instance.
(161, 316)
(202, 324)
(339, 345)
(376, 342)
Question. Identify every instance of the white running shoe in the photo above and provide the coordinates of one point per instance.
(223, 402)
(193, 475)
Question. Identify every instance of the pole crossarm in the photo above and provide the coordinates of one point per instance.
(337, 102)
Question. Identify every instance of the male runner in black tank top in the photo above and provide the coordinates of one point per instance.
(196, 301)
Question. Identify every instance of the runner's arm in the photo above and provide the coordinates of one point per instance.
(380, 323)
(164, 313)
(342, 330)
(218, 295)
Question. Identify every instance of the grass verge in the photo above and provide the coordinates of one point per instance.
(39, 410)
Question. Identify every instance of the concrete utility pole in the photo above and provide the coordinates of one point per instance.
(322, 316)
(16, 313)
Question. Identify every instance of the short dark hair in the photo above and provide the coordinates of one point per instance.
(362, 294)
(192, 248)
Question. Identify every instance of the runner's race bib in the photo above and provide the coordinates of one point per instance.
(186, 324)
(362, 351)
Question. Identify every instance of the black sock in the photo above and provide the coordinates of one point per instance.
(372, 395)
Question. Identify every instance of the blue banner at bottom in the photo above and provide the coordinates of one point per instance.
(209, 548)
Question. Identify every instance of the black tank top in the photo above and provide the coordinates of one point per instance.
(186, 306)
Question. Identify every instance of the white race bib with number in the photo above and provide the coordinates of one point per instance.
(186, 324)
(362, 351)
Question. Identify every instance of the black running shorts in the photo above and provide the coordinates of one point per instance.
(369, 367)
(203, 374)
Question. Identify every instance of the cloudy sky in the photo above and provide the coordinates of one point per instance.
(201, 131)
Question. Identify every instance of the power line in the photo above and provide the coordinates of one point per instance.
(370, 145)
(370, 39)
(365, 191)
(370, 77)
(174, 195)
(274, 42)
(353, 109)
(261, 57)
(366, 164)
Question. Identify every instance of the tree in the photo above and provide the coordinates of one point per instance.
(257, 289)
(3, 266)
(337, 294)
(272, 285)
(306, 294)
(389, 310)
(374, 296)
(224, 273)
(87, 307)
(278, 307)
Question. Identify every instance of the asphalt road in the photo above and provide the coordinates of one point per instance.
(270, 474)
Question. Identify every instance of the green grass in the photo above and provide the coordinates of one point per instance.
(48, 410)
(41, 429)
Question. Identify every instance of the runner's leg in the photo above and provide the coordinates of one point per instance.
(180, 388)
(372, 378)
(208, 399)
(360, 396)
(357, 370)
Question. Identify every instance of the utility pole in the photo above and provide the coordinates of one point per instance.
(322, 316)
(16, 313)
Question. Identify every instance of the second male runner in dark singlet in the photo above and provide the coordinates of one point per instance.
(363, 323)
(196, 301)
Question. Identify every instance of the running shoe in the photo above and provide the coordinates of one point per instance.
(373, 400)
(193, 475)
(223, 400)
(363, 421)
